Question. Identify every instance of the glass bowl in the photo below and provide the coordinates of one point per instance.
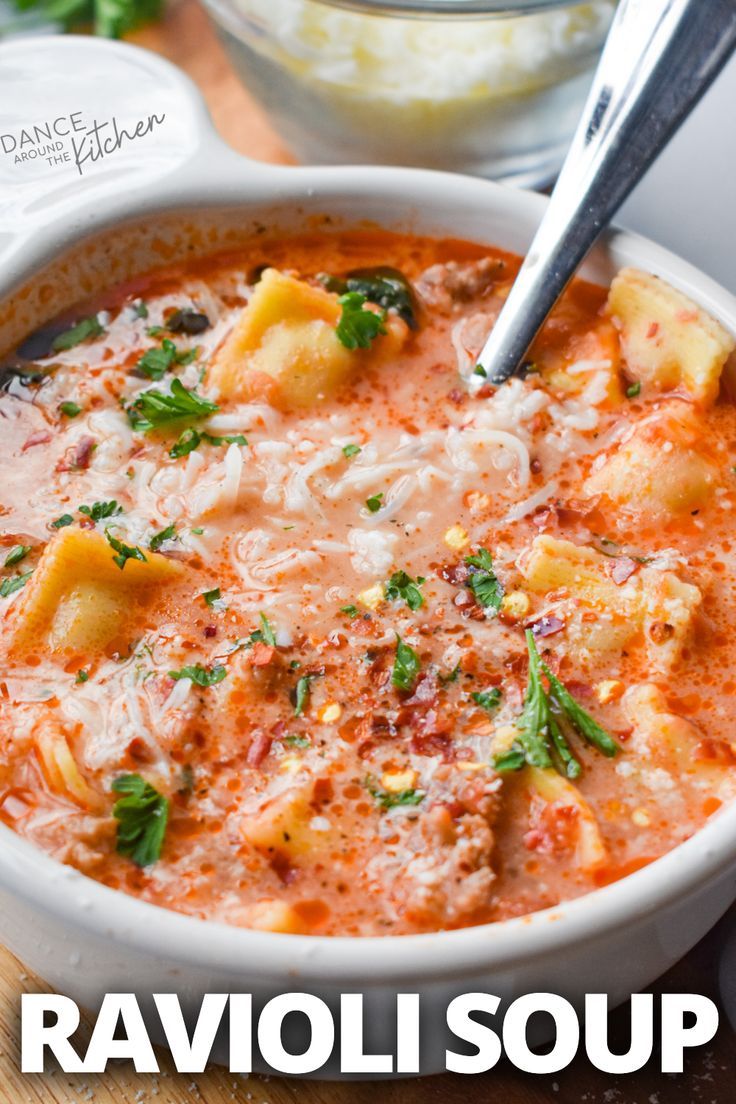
(478, 86)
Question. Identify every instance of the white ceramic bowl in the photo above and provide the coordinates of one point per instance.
(166, 194)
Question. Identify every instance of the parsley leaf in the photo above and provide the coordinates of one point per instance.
(374, 502)
(358, 328)
(488, 699)
(349, 451)
(293, 740)
(189, 440)
(70, 409)
(212, 596)
(453, 676)
(482, 580)
(385, 286)
(303, 688)
(350, 611)
(15, 555)
(140, 309)
(579, 718)
(62, 522)
(13, 583)
(155, 408)
(532, 724)
(82, 675)
(234, 439)
(98, 511)
(202, 676)
(402, 586)
(389, 800)
(142, 814)
(406, 666)
(167, 534)
(267, 634)
(82, 331)
(155, 363)
(125, 551)
(634, 390)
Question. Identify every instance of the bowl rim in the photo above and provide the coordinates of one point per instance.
(427, 10)
(81, 903)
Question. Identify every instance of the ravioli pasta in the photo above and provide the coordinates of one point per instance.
(307, 628)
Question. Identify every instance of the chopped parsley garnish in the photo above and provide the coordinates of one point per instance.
(541, 741)
(15, 555)
(212, 596)
(487, 699)
(303, 688)
(167, 534)
(453, 676)
(482, 580)
(82, 675)
(153, 408)
(374, 502)
(187, 321)
(142, 814)
(383, 285)
(350, 611)
(349, 451)
(294, 740)
(634, 390)
(82, 331)
(479, 370)
(155, 363)
(406, 666)
(268, 636)
(202, 676)
(98, 511)
(358, 328)
(387, 799)
(62, 522)
(192, 438)
(402, 586)
(140, 309)
(13, 583)
(69, 409)
(125, 552)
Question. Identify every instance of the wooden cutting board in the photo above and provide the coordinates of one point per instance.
(187, 39)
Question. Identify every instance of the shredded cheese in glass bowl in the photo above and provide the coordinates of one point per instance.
(488, 88)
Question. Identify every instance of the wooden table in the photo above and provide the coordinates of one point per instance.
(186, 38)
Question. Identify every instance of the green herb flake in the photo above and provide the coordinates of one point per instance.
(167, 534)
(153, 409)
(234, 439)
(142, 814)
(358, 328)
(451, 676)
(389, 800)
(488, 699)
(374, 502)
(212, 596)
(406, 666)
(201, 676)
(267, 631)
(125, 552)
(350, 611)
(402, 587)
(293, 740)
(13, 583)
(62, 522)
(634, 390)
(155, 363)
(140, 309)
(69, 409)
(301, 695)
(482, 580)
(479, 370)
(189, 440)
(579, 718)
(82, 676)
(16, 555)
(82, 331)
(98, 511)
(349, 451)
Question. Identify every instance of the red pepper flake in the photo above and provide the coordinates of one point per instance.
(261, 654)
(621, 569)
(40, 437)
(259, 748)
(78, 457)
(547, 626)
(210, 630)
(653, 329)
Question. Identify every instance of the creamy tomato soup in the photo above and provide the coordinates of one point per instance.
(306, 627)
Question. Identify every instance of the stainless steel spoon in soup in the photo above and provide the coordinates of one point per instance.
(659, 59)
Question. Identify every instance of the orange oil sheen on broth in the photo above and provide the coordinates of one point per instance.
(307, 790)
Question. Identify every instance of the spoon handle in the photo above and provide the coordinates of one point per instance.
(659, 59)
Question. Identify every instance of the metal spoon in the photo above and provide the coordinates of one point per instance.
(659, 59)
